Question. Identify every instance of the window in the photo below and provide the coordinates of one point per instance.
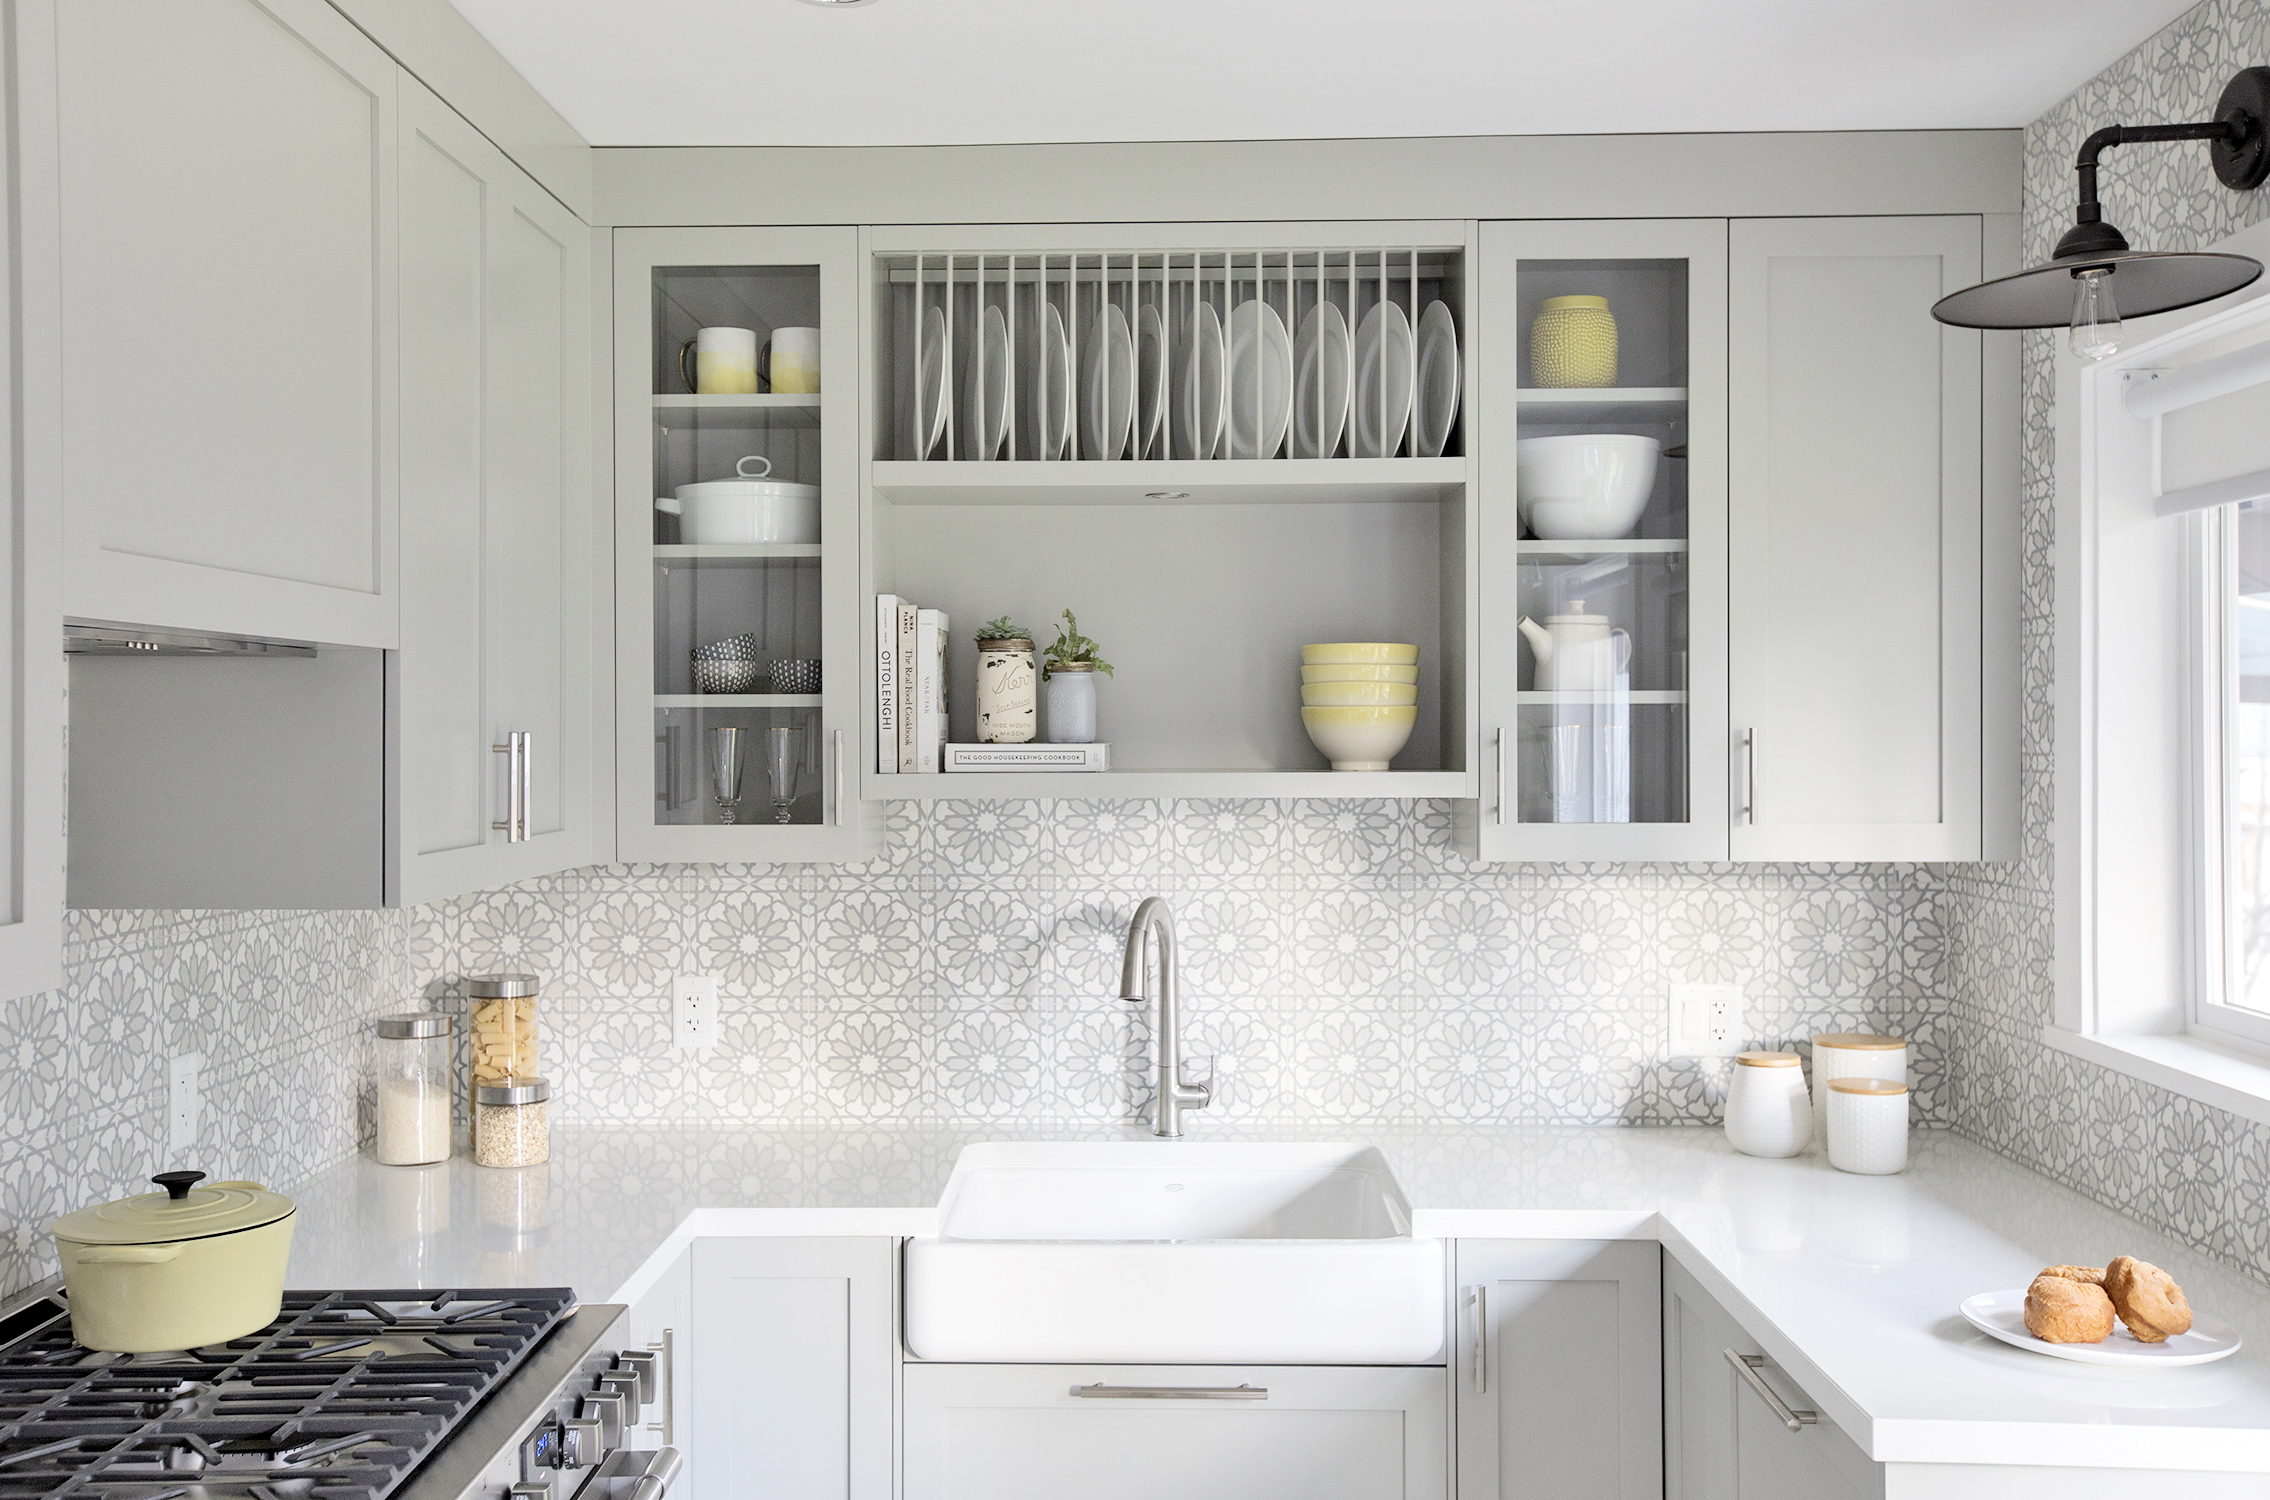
(2234, 772)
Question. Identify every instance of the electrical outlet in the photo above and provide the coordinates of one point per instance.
(1706, 1020)
(185, 1100)
(693, 1011)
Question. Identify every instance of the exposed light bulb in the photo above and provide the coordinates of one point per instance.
(2096, 320)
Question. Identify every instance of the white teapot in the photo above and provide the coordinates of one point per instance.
(1577, 651)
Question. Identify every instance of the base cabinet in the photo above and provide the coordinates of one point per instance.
(1025, 1432)
(793, 1366)
(1725, 1441)
(1558, 1370)
(661, 1322)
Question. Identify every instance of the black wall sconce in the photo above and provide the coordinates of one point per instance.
(2094, 277)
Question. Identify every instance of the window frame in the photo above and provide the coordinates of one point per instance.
(2212, 674)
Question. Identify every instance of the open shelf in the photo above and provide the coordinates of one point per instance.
(736, 700)
(1103, 785)
(740, 411)
(1572, 550)
(728, 551)
(1171, 481)
(1596, 403)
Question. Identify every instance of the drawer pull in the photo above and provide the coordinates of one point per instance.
(1173, 1392)
(1746, 1365)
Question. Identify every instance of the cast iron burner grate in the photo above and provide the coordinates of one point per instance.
(340, 1398)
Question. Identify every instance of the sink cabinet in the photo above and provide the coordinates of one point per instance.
(1724, 1442)
(1020, 1432)
(1558, 1369)
(794, 1366)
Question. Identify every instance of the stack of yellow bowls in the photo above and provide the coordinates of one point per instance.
(1359, 700)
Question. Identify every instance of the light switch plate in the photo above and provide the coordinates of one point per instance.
(693, 1012)
(185, 1100)
(1706, 1020)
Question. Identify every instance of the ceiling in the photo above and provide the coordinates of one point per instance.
(936, 72)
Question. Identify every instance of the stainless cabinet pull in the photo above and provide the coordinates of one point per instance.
(1173, 1392)
(515, 753)
(835, 774)
(1482, 1340)
(1501, 778)
(1746, 1365)
(527, 781)
(669, 1423)
(1750, 776)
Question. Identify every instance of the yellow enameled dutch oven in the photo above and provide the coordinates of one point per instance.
(180, 1269)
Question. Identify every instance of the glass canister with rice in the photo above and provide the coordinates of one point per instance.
(413, 1088)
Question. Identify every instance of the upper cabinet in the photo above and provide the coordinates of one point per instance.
(738, 678)
(1733, 603)
(1856, 604)
(221, 181)
(31, 638)
(1214, 444)
(1603, 591)
(489, 701)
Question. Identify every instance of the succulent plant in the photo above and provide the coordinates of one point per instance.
(1071, 646)
(1003, 629)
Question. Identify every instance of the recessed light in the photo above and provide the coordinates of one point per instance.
(1167, 495)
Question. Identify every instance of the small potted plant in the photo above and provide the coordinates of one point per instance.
(1071, 666)
(1006, 684)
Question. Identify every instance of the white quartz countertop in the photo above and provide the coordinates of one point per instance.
(1849, 1283)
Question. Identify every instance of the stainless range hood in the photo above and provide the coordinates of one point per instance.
(107, 638)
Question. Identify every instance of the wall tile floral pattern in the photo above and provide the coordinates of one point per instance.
(2196, 1171)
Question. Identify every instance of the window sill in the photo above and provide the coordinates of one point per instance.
(2184, 1065)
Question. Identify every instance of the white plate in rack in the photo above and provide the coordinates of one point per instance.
(1198, 403)
(928, 421)
(1385, 375)
(1321, 364)
(2003, 1314)
(985, 403)
(1045, 372)
(1107, 385)
(1437, 406)
(1151, 382)
(1260, 380)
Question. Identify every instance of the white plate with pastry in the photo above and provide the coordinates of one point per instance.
(2003, 1315)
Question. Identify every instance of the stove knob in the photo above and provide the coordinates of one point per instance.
(625, 1384)
(640, 1362)
(580, 1445)
(607, 1407)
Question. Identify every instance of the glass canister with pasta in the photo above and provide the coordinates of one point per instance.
(502, 1037)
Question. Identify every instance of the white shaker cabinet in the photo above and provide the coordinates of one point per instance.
(1726, 1440)
(1197, 1432)
(795, 1360)
(217, 180)
(489, 715)
(1558, 1370)
(31, 653)
(1855, 539)
(661, 1323)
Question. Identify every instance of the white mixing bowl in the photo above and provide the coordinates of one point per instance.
(1589, 486)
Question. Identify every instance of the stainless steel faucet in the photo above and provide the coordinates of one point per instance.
(1175, 1096)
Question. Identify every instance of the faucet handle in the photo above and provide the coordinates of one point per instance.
(1198, 1073)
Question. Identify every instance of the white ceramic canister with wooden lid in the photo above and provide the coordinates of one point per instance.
(1767, 1113)
(1851, 1054)
(1867, 1125)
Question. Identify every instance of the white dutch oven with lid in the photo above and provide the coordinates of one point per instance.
(751, 508)
(180, 1269)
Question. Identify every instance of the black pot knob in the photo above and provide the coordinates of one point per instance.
(178, 1184)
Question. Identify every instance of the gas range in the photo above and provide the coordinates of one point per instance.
(348, 1395)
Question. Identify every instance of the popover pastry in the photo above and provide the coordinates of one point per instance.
(2093, 1275)
(2060, 1310)
(2146, 1298)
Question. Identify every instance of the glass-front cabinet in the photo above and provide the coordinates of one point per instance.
(1603, 543)
(736, 544)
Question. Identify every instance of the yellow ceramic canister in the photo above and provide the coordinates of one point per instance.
(1573, 343)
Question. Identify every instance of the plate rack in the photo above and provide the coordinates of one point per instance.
(944, 369)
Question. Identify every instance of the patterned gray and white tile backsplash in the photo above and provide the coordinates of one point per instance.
(2198, 1172)
(1342, 967)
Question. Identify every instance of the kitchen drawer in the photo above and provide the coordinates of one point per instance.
(1019, 1432)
